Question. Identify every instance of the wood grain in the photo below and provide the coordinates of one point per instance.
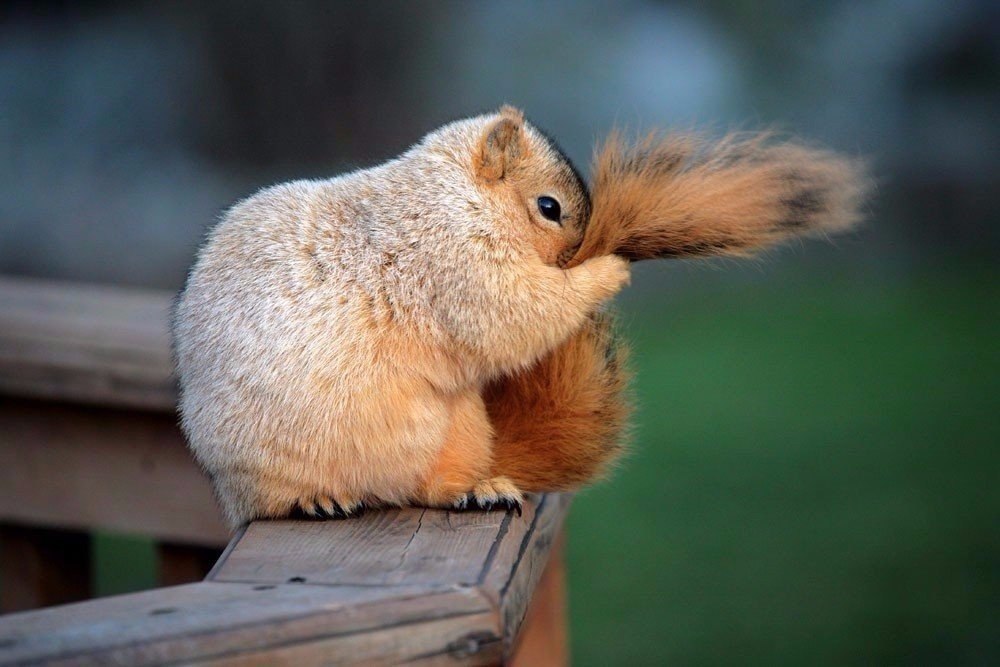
(387, 547)
(403, 585)
(544, 636)
(72, 466)
(208, 622)
(521, 561)
(94, 344)
(427, 586)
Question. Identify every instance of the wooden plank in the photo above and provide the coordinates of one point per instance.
(501, 554)
(125, 471)
(183, 563)
(468, 639)
(544, 637)
(229, 623)
(436, 587)
(40, 567)
(387, 547)
(520, 561)
(400, 585)
(95, 344)
(396, 546)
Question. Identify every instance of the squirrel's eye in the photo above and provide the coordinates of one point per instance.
(550, 209)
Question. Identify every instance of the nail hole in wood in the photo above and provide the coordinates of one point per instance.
(162, 611)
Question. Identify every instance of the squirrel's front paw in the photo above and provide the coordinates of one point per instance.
(610, 272)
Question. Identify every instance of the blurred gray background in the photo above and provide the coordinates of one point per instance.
(126, 128)
(814, 475)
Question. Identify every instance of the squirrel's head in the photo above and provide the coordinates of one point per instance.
(673, 195)
(525, 181)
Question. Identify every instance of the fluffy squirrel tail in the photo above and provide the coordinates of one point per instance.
(679, 195)
(560, 423)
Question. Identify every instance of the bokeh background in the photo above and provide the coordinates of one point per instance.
(814, 473)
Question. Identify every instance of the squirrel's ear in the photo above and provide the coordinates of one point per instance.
(501, 145)
(680, 196)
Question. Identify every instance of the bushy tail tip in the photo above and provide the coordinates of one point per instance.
(679, 195)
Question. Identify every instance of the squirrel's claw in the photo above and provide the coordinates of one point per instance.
(508, 504)
(331, 511)
(325, 508)
(488, 504)
(512, 504)
(488, 495)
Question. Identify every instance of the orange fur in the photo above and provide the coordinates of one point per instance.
(559, 424)
(464, 458)
(682, 196)
(421, 332)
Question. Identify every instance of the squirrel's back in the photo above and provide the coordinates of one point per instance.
(283, 334)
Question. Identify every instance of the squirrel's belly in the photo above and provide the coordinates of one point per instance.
(342, 426)
(287, 397)
(378, 452)
(379, 442)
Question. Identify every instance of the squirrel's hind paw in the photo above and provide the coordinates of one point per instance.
(494, 493)
(325, 507)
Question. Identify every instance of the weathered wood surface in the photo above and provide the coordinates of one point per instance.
(85, 467)
(410, 585)
(208, 622)
(387, 548)
(544, 637)
(120, 467)
(94, 344)
(429, 586)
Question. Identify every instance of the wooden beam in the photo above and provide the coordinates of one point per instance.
(93, 344)
(210, 622)
(73, 466)
(40, 567)
(544, 638)
(424, 586)
(427, 586)
(384, 548)
(512, 588)
(110, 467)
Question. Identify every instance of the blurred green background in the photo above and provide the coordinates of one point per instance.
(813, 476)
(813, 481)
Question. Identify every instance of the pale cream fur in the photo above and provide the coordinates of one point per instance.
(335, 336)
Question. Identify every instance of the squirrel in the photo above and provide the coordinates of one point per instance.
(431, 330)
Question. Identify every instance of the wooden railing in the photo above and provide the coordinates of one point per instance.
(89, 442)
